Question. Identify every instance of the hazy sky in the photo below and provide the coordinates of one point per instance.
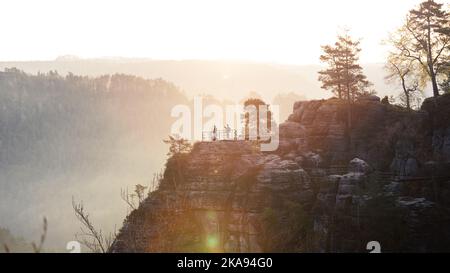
(275, 31)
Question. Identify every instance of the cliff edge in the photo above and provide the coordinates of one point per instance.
(326, 189)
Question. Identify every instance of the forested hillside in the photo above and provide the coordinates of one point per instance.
(77, 136)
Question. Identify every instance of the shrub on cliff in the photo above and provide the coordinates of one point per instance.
(179, 150)
(177, 146)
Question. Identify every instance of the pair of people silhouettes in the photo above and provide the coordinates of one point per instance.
(227, 133)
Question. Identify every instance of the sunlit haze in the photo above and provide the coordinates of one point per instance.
(264, 31)
(224, 126)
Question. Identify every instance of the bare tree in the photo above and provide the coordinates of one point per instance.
(93, 239)
(157, 177)
(140, 192)
(177, 146)
(404, 71)
(415, 100)
(38, 248)
(424, 40)
(129, 198)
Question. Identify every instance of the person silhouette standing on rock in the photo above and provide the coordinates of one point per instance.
(214, 133)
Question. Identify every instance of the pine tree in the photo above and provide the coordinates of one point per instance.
(344, 76)
(331, 77)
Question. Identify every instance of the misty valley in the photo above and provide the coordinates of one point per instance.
(90, 139)
(64, 137)
(217, 135)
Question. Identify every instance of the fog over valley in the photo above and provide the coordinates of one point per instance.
(231, 80)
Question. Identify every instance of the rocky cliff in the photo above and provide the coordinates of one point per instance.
(332, 186)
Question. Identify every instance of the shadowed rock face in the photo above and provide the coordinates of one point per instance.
(220, 195)
(379, 132)
(326, 189)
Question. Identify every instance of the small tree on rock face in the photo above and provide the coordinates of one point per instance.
(177, 146)
(129, 198)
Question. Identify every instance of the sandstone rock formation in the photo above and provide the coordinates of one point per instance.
(326, 189)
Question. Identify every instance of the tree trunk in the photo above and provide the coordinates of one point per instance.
(405, 90)
(434, 82)
(430, 60)
(408, 104)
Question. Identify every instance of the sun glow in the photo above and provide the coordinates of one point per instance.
(274, 31)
